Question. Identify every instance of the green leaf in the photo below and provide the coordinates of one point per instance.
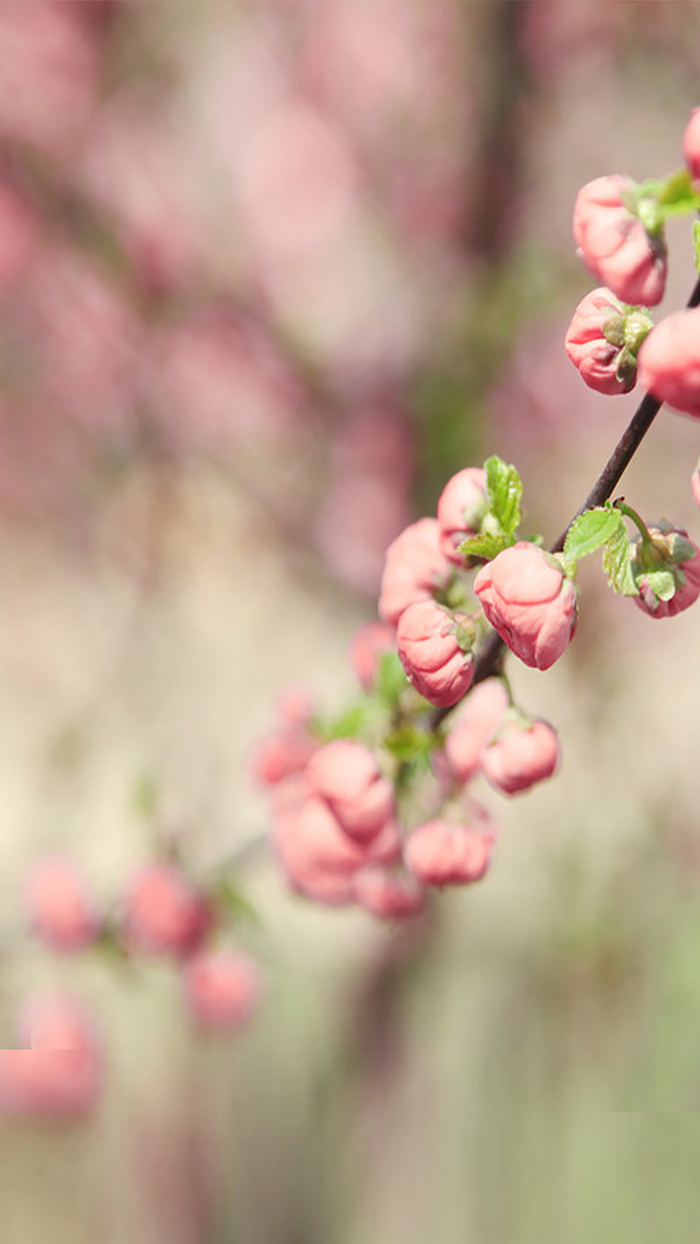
(233, 902)
(349, 725)
(505, 491)
(589, 531)
(616, 563)
(411, 745)
(676, 195)
(486, 545)
(662, 583)
(696, 245)
(391, 677)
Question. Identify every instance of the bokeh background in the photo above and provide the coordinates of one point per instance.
(270, 272)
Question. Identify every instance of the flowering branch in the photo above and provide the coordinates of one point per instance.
(493, 649)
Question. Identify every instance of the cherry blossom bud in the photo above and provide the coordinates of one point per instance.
(415, 567)
(222, 988)
(530, 602)
(281, 754)
(345, 774)
(369, 644)
(163, 913)
(443, 853)
(390, 895)
(319, 858)
(59, 906)
(61, 1075)
(462, 505)
(695, 483)
(691, 144)
(666, 572)
(614, 244)
(669, 362)
(431, 644)
(479, 718)
(520, 756)
(602, 342)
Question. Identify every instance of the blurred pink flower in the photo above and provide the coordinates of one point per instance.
(222, 988)
(59, 905)
(61, 1075)
(48, 73)
(163, 913)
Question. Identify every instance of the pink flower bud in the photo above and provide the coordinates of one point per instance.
(415, 567)
(670, 545)
(59, 906)
(345, 774)
(614, 244)
(479, 718)
(602, 342)
(427, 638)
(390, 895)
(163, 912)
(222, 988)
(691, 144)
(369, 643)
(669, 362)
(695, 484)
(319, 858)
(61, 1075)
(441, 853)
(281, 754)
(530, 602)
(520, 756)
(462, 505)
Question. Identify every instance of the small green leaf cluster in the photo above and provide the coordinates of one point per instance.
(502, 519)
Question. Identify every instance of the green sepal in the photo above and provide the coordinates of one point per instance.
(350, 725)
(616, 562)
(391, 678)
(663, 583)
(590, 531)
(505, 490)
(486, 545)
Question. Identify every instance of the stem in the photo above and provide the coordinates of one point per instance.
(493, 650)
(636, 518)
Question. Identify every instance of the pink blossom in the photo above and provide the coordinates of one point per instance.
(614, 244)
(478, 719)
(222, 988)
(318, 857)
(666, 540)
(695, 484)
(163, 912)
(691, 144)
(369, 643)
(669, 362)
(596, 357)
(442, 853)
(530, 602)
(19, 236)
(388, 893)
(282, 753)
(463, 503)
(428, 642)
(415, 567)
(346, 775)
(61, 1075)
(521, 756)
(59, 906)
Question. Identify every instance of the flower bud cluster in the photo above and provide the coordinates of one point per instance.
(161, 914)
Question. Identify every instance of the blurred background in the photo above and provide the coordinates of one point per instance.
(270, 272)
